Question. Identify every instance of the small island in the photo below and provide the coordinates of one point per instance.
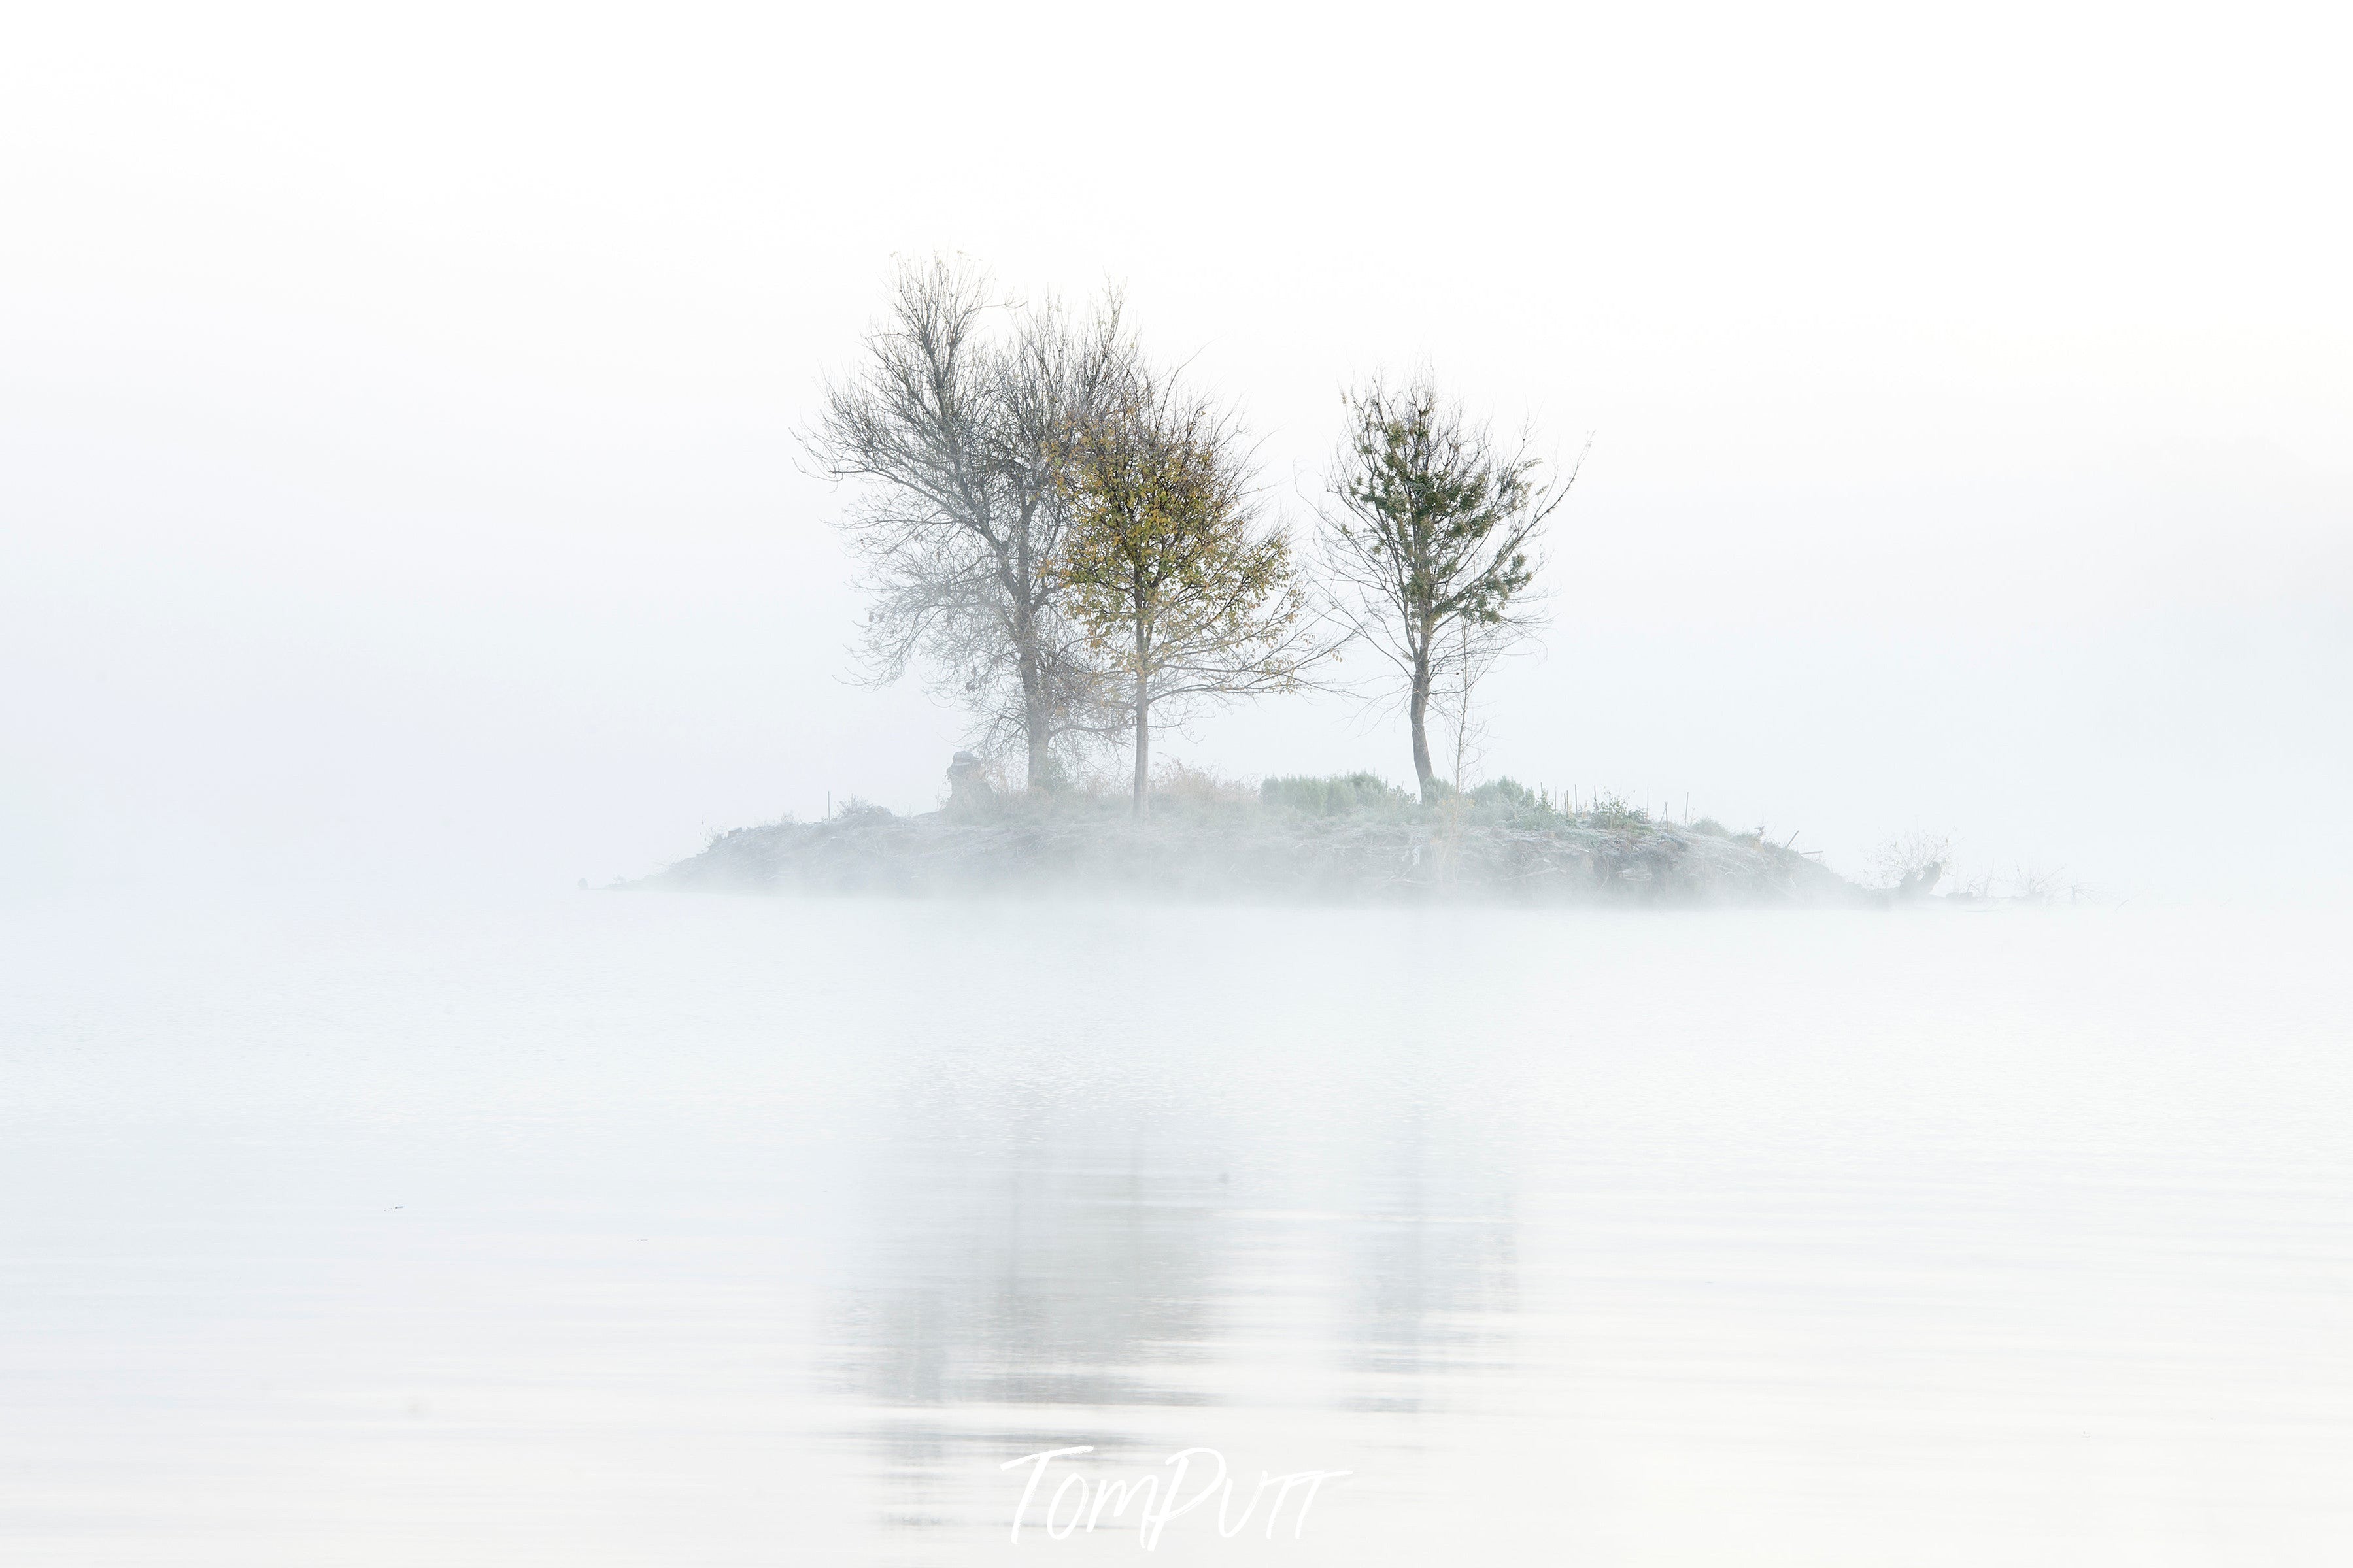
(1075, 547)
(1353, 839)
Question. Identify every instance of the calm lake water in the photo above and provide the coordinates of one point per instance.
(672, 1230)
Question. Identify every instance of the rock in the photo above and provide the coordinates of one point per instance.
(970, 796)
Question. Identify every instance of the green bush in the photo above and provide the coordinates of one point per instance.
(1507, 800)
(1507, 792)
(1610, 809)
(1333, 795)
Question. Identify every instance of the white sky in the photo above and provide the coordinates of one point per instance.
(396, 467)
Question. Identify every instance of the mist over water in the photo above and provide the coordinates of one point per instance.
(403, 521)
(398, 483)
(649, 1227)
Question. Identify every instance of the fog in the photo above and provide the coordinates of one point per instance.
(405, 520)
(633, 1229)
(401, 481)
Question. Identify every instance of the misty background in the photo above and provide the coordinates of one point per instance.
(397, 473)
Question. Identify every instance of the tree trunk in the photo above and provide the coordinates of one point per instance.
(1036, 719)
(1036, 724)
(1143, 730)
(1417, 711)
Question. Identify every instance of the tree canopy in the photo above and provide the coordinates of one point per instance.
(1184, 593)
(1432, 542)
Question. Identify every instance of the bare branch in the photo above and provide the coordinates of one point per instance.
(954, 426)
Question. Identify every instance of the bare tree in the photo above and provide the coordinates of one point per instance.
(958, 434)
(1431, 542)
(1186, 593)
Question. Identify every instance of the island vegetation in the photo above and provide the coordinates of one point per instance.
(1069, 541)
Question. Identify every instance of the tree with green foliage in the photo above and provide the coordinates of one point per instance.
(1184, 593)
(1432, 543)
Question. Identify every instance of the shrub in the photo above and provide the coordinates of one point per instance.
(1712, 827)
(1610, 809)
(1508, 800)
(1333, 795)
(1509, 792)
(1195, 791)
(2038, 886)
(1919, 857)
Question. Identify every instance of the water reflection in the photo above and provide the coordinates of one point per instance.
(1054, 1280)
(1107, 1281)
(1431, 1280)
(1570, 1259)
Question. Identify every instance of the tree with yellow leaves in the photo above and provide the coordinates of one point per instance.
(1184, 593)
